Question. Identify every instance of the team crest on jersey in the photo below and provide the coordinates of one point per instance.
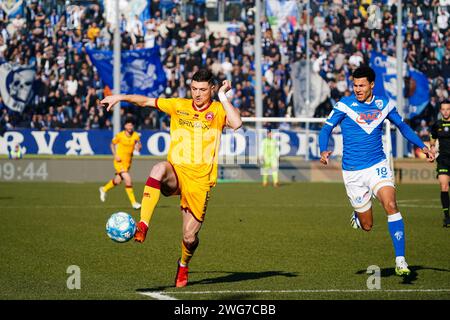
(209, 116)
(379, 104)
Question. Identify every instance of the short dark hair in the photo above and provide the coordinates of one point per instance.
(446, 101)
(203, 75)
(129, 120)
(364, 72)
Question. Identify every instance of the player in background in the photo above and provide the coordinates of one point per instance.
(191, 168)
(270, 154)
(440, 131)
(16, 152)
(365, 169)
(122, 148)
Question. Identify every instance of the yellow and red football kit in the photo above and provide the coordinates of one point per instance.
(124, 149)
(193, 153)
(125, 145)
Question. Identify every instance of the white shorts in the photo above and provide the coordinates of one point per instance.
(362, 185)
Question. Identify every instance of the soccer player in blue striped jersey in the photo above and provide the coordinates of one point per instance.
(365, 169)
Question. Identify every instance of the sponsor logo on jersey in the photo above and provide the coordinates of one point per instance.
(193, 124)
(183, 113)
(354, 104)
(368, 116)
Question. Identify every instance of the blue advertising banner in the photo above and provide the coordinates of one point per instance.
(156, 143)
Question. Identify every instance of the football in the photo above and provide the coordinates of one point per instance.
(120, 227)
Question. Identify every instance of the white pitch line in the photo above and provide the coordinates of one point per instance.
(164, 294)
(158, 295)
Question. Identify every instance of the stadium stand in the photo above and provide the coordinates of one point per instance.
(67, 85)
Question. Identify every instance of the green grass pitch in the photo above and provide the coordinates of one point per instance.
(293, 242)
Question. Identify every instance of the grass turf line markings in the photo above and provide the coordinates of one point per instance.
(164, 295)
(158, 295)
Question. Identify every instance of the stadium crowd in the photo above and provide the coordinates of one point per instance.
(67, 85)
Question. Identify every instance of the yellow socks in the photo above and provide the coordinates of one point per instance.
(150, 199)
(130, 194)
(187, 251)
(109, 185)
(275, 177)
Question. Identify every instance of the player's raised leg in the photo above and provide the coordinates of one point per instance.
(191, 227)
(129, 190)
(359, 195)
(386, 195)
(443, 181)
(362, 219)
(161, 174)
(108, 186)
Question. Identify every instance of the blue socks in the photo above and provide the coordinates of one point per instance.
(397, 232)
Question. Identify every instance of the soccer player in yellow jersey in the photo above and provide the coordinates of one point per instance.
(122, 148)
(191, 168)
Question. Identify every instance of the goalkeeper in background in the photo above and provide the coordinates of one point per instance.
(269, 157)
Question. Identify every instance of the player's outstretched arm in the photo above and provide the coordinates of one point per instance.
(430, 153)
(139, 100)
(324, 155)
(410, 135)
(324, 136)
(233, 115)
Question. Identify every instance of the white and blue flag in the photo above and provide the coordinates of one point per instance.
(16, 85)
(386, 83)
(141, 71)
(12, 7)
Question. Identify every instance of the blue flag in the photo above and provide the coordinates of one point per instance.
(141, 71)
(416, 90)
(12, 8)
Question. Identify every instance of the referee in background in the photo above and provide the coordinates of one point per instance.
(440, 131)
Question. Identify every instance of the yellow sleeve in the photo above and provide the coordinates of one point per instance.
(116, 139)
(137, 138)
(166, 105)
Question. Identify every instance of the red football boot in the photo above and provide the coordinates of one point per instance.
(181, 278)
(141, 232)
